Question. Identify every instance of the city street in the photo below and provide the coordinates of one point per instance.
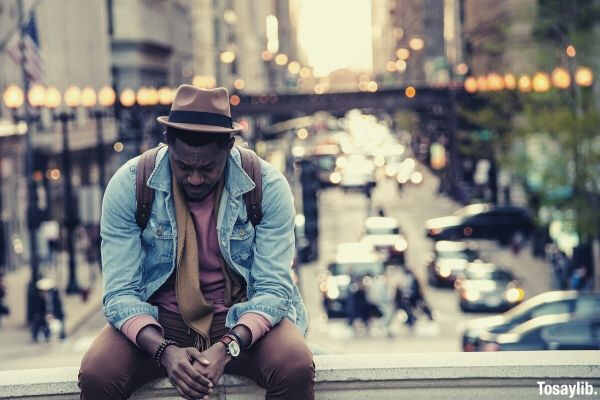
(341, 218)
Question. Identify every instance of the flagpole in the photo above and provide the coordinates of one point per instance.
(32, 214)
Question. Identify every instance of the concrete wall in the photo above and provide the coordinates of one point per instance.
(499, 376)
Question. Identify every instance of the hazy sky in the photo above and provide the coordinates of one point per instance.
(336, 34)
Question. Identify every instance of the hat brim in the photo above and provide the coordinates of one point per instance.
(200, 128)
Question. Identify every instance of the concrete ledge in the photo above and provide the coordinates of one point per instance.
(503, 375)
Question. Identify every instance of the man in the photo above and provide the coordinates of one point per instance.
(200, 291)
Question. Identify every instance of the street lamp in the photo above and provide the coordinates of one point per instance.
(281, 59)
(36, 96)
(14, 98)
(416, 43)
(106, 98)
(204, 81)
(561, 78)
(152, 96)
(482, 84)
(294, 67)
(239, 84)
(525, 83)
(73, 99)
(227, 57)
(267, 55)
(127, 98)
(541, 82)
(584, 76)
(403, 53)
(495, 82)
(165, 96)
(471, 84)
(510, 82)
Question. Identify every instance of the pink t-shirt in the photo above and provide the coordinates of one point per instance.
(212, 280)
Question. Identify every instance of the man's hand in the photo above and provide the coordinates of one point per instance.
(189, 378)
(213, 362)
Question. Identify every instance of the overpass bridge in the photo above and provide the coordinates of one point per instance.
(419, 99)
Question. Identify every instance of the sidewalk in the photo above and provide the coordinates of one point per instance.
(14, 333)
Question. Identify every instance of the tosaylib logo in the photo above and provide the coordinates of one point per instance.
(580, 388)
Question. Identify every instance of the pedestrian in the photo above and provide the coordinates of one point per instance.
(57, 311)
(4, 310)
(360, 307)
(39, 307)
(388, 301)
(578, 279)
(206, 287)
(414, 297)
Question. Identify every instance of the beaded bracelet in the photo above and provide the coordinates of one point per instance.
(161, 349)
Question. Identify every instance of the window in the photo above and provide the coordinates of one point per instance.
(559, 307)
(587, 306)
(579, 332)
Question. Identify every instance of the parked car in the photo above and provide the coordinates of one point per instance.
(353, 261)
(482, 221)
(324, 158)
(548, 303)
(448, 260)
(549, 332)
(488, 288)
(381, 226)
(385, 236)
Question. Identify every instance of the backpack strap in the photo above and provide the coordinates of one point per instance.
(253, 199)
(143, 194)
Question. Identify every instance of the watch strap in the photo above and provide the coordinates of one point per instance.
(227, 339)
(237, 337)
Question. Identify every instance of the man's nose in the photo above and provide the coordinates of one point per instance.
(195, 178)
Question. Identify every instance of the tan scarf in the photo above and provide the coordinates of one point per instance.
(195, 310)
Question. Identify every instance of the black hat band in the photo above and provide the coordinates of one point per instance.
(200, 118)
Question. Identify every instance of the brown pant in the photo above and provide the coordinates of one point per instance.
(113, 367)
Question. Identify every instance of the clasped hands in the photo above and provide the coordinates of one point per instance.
(194, 373)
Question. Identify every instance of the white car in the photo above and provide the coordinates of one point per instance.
(384, 235)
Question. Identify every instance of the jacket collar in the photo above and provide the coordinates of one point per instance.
(237, 181)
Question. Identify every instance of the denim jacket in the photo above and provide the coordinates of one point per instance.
(134, 266)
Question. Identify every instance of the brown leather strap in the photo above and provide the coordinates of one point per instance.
(253, 199)
(143, 194)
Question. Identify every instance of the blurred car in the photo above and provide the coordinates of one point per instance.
(324, 157)
(481, 221)
(386, 237)
(353, 261)
(487, 287)
(550, 332)
(448, 260)
(357, 173)
(548, 303)
(405, 171)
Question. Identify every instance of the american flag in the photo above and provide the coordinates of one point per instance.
(34, 65)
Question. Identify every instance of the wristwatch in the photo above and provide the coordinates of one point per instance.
(231, 345)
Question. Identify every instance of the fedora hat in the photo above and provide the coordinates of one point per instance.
(201, 110)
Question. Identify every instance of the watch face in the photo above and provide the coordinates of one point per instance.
(234, 348)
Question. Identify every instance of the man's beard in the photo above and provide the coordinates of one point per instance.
(198, 195)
